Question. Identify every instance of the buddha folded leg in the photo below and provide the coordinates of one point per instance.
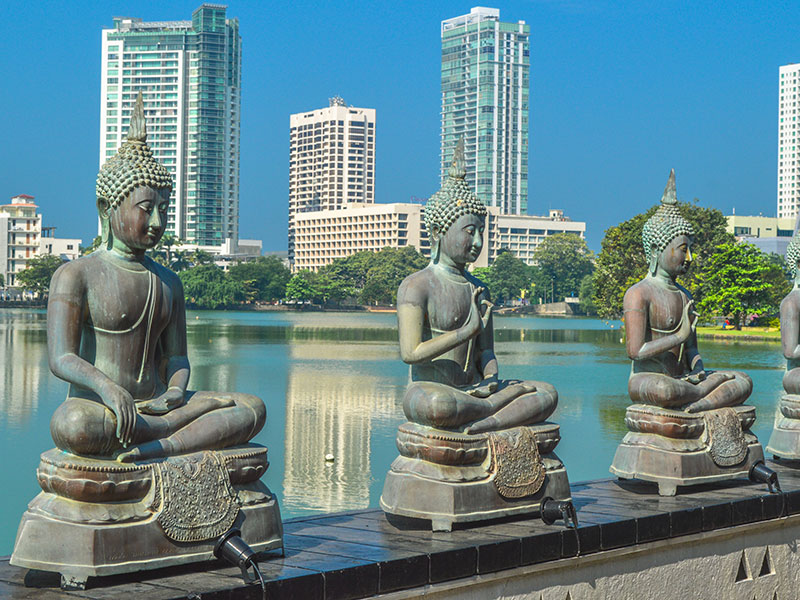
(514, 403)
(719, 389)
(205, 421)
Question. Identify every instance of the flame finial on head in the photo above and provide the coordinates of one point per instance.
(137, 131)
(670, 196)
(458, 168)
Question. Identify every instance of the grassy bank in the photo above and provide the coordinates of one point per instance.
(758, 334)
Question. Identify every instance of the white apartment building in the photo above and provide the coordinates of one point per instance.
(323, 235)
(788, 141)
(20, 234)
(331, 160)
(189, 73)
(66, 249)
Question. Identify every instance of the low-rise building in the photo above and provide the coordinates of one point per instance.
(322, 236)
(66, 248)
(523, 233)
(770, 234)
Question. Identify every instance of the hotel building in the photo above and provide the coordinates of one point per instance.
(331, 161)
(788, 142)
(190, 75)
(485, 95)
(325, 235)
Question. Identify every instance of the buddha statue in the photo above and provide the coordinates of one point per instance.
(154, 471)
(475, 446)
(785, 439)
(687, 425)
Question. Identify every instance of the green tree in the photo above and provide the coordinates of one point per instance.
(266, 277)
(509, 276)
(350, 272)
(91, 247)
(38, 272)
(162, 251)
(621, 261)
(389, 267)
(586, 295)
(201, 257)
(564, 259)
(208, 286)
(303, 287)
(739, 280)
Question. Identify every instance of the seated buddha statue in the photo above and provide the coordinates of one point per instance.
(458, 410)
(785, 439)
(134, 444)
(679, 405)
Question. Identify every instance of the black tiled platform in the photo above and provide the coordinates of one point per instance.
(360, 553)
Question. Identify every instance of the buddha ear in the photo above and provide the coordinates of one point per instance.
(104, 212)
(652, 267)
(436, 239)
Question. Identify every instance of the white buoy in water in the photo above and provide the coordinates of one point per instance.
(329, 457)
(197, 317)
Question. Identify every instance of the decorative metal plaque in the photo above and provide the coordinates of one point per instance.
(197, 500)
(725, 437)
(519, 470)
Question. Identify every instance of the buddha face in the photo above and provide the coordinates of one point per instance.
(139, 221)
(463, 241)
(677, 256)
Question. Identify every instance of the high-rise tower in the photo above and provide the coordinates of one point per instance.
(190, 75)
(788, 141)
(485, 90)
(331, 160)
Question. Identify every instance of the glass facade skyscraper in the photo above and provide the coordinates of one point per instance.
(190, 75)
(485, 94)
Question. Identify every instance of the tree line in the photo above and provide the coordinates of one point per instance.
(726, 277)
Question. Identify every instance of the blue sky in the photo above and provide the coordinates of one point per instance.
(620, 93)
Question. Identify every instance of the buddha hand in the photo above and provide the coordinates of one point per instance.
(122, 405)
(485, 388)
(172, 398)
(688, 321)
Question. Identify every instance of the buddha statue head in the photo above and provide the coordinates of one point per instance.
(665, 232)
(454, 216)
(133, 191)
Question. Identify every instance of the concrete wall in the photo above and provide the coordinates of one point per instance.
(759, 561)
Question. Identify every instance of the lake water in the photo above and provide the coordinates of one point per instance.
(334, 382)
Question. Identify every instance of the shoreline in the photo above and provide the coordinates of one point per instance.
(759, 334)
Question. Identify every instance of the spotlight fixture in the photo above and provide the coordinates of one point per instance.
(235, 550)
(761, 473)
(553, 510)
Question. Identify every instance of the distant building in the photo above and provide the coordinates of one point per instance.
(66, 249)
(331, 160)
(788, 142)
(771, 234)
(485, 100)
(190, 75)
(521, 234)
(20, 234)
(322, 236)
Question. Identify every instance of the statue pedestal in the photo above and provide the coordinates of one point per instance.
(673, 448)
(99, 517)
(785, 439)
(448, 477)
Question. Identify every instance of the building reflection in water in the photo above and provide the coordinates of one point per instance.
(335, 396)
(24, 367)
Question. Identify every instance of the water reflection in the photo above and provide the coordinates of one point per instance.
(23, 336)
(330, 412)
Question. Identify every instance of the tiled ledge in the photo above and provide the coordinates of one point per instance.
(360, 554)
